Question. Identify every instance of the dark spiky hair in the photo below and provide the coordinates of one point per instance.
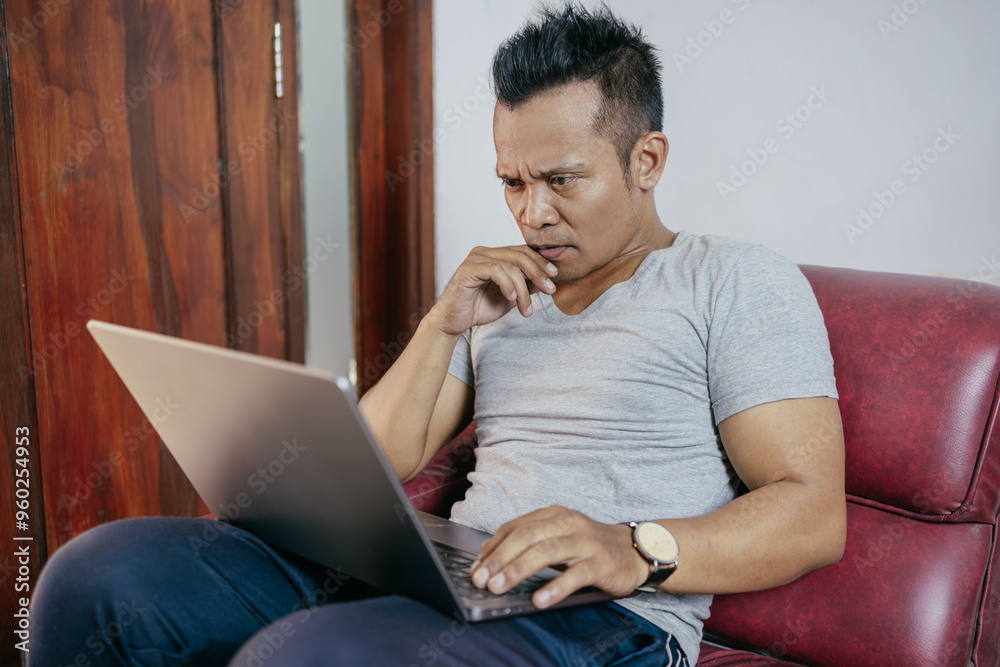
(573, 44)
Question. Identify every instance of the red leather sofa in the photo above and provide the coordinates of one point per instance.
(917, 361)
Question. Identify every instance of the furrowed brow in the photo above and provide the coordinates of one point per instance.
(561, 169)
(548, 173)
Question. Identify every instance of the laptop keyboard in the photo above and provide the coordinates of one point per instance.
(457, 564)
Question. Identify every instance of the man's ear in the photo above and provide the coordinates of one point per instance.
(649, 156)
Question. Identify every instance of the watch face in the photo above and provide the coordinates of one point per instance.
(657, 542)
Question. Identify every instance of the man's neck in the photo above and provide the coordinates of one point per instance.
(573, 298)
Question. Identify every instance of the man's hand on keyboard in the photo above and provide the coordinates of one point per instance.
(593, 553)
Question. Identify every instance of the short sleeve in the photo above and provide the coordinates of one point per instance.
(461, 361)
(767, 339)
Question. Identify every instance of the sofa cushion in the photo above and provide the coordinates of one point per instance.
(443, 482)
(901, 596)
(917, 361)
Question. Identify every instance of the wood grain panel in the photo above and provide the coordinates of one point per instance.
(17, 399)
(116, 129)
(423, 96)
(393, 155)
(114, 182)
(289, 170)
(368, 159)
(253, 124)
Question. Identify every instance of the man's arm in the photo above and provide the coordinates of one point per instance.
(790, 454)
(417, 407)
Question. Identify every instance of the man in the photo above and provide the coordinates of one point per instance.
(619, 373)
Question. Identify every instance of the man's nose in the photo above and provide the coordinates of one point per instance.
(538, 211)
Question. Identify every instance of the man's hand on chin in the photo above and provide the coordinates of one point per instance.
(593, 553)
(489, 283)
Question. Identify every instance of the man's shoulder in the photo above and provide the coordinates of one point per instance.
(723, 250)
(712, 257)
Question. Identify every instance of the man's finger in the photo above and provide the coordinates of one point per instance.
(538, 270)
(541, 554)
(525, 546)
(573, 579)
(503, 531)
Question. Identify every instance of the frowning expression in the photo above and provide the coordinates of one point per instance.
(564, 183)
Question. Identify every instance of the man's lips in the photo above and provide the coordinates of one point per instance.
(551, 252)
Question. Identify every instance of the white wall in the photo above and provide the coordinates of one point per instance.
(324, 127)
(895, 88)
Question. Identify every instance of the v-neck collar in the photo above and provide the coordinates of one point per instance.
(552, 313)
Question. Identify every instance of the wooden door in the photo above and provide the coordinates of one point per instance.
(393, 142)
(150, 177)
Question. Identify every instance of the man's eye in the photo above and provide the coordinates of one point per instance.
(511, 183)
(561, 180)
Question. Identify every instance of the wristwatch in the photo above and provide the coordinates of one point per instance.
(657, 545)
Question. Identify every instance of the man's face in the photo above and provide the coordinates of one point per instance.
(564, 183)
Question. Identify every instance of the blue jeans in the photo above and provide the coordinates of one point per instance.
(170, 591)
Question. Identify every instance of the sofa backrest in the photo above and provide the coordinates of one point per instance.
(917, 361)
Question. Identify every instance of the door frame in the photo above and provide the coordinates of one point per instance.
(392, 160)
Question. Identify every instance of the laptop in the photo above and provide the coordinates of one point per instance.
(281, 450)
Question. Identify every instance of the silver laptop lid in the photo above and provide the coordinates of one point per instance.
(254, 435)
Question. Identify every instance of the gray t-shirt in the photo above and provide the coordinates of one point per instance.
(613, 411)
